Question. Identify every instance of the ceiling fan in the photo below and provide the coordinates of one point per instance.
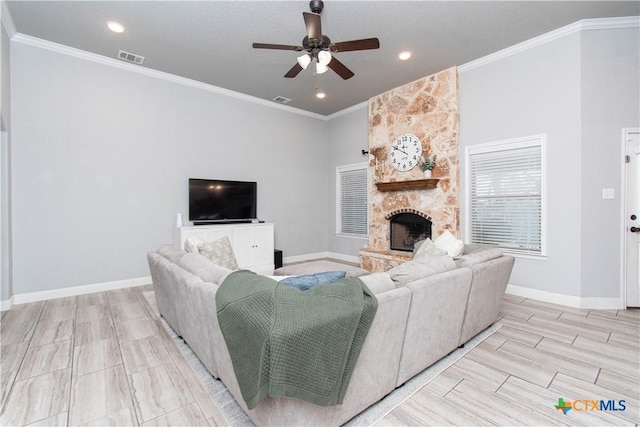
(319, 47)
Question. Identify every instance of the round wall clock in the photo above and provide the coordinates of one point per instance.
(405, 152)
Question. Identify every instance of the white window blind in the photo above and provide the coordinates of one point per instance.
(352, 200)
(506, 197)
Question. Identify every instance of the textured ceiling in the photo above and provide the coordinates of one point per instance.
(210, 41)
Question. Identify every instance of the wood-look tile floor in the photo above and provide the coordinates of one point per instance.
(104, 359)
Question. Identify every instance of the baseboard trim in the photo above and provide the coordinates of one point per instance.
(567, 300)
(320, 255)
(347, 258)
(80, 290)
(6, 304)
(305, 257)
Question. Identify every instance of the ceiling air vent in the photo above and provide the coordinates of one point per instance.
(281, 100)
(130, 57)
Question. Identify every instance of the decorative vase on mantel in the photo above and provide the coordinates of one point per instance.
(427, 163)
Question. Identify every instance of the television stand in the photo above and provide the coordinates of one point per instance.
(252, 243)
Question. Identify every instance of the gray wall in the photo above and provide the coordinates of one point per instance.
(101, 158)
(610, 101)
(559, 89)
(348, 136)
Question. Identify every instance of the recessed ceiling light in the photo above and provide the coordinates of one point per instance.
(115, 27)
(404, 55)
(321, 95)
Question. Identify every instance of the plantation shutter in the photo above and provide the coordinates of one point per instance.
(353, 201)
(506, 197)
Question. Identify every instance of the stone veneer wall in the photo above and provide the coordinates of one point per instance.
(427, 108)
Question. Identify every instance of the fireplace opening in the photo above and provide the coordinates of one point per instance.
(406, 229)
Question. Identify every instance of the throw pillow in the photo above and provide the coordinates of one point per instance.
(220, 253)
(306, 281)
(448, 243)
(445, 240)
(191, 244)
(427, 248)
(456, 249)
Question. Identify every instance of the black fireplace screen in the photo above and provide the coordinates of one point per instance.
(407, 229)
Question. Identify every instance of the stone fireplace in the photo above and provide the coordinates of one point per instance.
(428, 109)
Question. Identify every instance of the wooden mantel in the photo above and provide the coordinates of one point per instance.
(407, 185)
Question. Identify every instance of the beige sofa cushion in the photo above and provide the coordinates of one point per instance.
(203, 268)
(420, 268)
(171, 253)
(478, 255)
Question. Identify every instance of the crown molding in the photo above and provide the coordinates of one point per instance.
(348, 110)
(116, 63)
(576, 27)
(610, 23)
(7, 20)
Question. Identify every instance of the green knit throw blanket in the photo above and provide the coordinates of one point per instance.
(285, 342)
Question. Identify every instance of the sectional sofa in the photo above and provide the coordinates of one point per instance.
(426, 309)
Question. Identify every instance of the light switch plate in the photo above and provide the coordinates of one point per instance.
(608, 193)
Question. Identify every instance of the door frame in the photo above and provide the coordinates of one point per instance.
(623, 215)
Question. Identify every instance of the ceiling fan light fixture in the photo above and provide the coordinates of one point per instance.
(320, 95)
(321, 68)
(324, 57)
(404, 55)
(304, 60)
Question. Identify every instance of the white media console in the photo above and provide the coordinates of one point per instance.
(251, 243)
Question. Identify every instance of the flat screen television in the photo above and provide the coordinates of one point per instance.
(214, 200)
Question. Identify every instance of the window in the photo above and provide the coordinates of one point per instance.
(505, 205)
(352, 202)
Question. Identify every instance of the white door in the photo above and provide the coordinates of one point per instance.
(632, 216)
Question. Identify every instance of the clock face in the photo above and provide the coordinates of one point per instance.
(405, 152)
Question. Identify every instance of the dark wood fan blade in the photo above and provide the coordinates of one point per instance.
(277, 46)
(312, 22)
(293, 71)
(352, 45)
(340, 68)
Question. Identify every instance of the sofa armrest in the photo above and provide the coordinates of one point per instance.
(378, 282)
(488, 284)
